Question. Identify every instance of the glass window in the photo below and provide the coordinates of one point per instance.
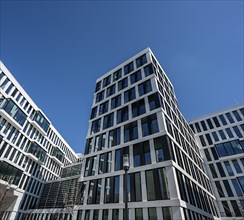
(226, 209)
(141, 61)
(209, 139)
(237, 116)
(220, 169)
(237, 166)
(93, 112)
(222, 134)
(116, 102)
(152, 214)
(237, 131)
(241, 182)
(163, 148)
(119, 157)
(222, 118)
(98, 86)
(242, 111)
(138, 213)
(122, 83)
(95, 127)
(236, 208)
(237, 187)
(128, 68)
(230, 134)
(115, 214)
(122, 115)
(213, 171)
(100, 96)
(202, 140)
(138, 108)
(114, 137)
(129, 95)
(207, 154)
(149, 125)
(228, 168)
(134, 187)
(215, 136)
(117, 75)
(210, 124)
(227, 187)
(154, 101)
(167, 213)
(145, 87)
(231, 120)
(103, 108)
(216, 122)
(108, 121)
(130, 132)
(110, 90)
(135, 77)
(237, 147)
(141, 154)
(204, 125)
(149, 69)
(197, 127)
(106, 81)
(219, 189)
(95, 215)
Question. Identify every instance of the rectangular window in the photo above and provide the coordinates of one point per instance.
(141, 61)
(227, 187)
(210, 124)
(141, 154)
(216, 122)
(130, 132)
(237, 166)
(228, 168)
(237, 187)
(100, 142)
(116, 102)
(149, 125)
(100, 96)
(231, 120)
(135, 77)
(129, 95)
(106, 81)
(98, 86)
(138, 108)
(152, 214)
(95, 126)
(122, 115)
(93, 112)
(154, 101)
(222, 118)
(114, 137)
(119, 157)
(110, 90)
(108, 121)
(149, 69)
(103, 108)
(128, 68)
(111, 189)
(122, 83)
(163, 148)
(145, 87)
(219, 189)
(204, 125)
(117, 75)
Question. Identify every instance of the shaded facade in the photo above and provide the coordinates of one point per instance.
(221, 136)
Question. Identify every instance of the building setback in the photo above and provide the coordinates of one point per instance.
(221, 136)
(31, 149)
(135, 112)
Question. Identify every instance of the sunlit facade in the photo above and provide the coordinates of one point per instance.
(31, 149)
(135, 112)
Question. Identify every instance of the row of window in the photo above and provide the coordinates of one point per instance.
(231, 167)
(193, 194)
(149, 125)
(128, 68)
(130, 94)
(218, 121)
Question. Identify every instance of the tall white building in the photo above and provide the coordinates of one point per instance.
(221, 136)
(31, 149)
(135, 112)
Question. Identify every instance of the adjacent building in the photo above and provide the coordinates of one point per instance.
(31, 149)
(221, 137)
(135, 112)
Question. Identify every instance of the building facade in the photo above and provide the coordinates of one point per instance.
(135, 112)
(31, 149)
(221, 136)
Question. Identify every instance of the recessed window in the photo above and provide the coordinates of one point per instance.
(106, 81)
(129, 95)
(93, 112)
(128, 68)
(117, 75)
(108, 121)
(98, 86)
(100, 96)
(138, 108)
(163, 148)
(145, 87)
(149, 125)
(154, 101)
(148, 70)
(122, 115)
(141, 154)
(141, 60)
(110, 90)
(130, 132)
(103, 108)
(95, 126)
(135, 77)
(123, 83)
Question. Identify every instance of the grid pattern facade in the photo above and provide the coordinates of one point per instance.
(221, 137)
(135, 112)
(31, 150)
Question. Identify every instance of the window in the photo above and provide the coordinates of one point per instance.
(115, 214)
(122, 115)
(110, 90)
(108, 121)
(163, 148)
(105, 162)
(237, 166)
(106, 81)
(129, 95)
(145, 87)
(219, 189)
(229, 132)
(114, 137)
(100, 141)
(103, 108)
(149, 69)
(138, 108)
(167, 213)
(119, 157)
(152, 214)
(138, 213)
(237, 187)
(156, 184)
(220, 169)
(117, 75)
(94, 192)
(111, 190)
(204, 125)
(100, 96)
(96, 126)
(210, 124)
(222, 118)
(98, 86)
(227, 187)
(197, 127)
(241, 182)
(236, 208)
(130, 132)
(141, 61)
(228, 168)
(123, 83)
(115, 102)
(135, 77)
(207, 154)
(229, 148)
(237, 131)
(128, 68)
(134, 187)
(222, 134)
(216, 122)
(149, 125)
(154, 101)
(231, 120)
(93, 112)
(141, 154)
(213, 171)
(237, 116)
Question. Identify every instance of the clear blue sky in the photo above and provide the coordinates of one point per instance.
(57, 49)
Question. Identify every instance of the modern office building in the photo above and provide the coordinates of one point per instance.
(221, 136)
(31, 149)
(135, 112)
